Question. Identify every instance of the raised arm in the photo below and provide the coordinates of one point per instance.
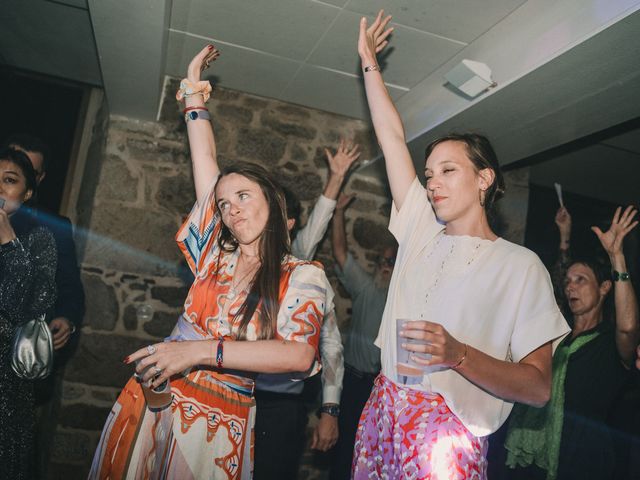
(308, 237)
(386, 119)
(559, 269)
(338, 234)
(339, 165)
(626, 302)
(200, 131)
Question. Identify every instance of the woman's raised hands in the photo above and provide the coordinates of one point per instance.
(201, 62)
(621, 225)
(373, 39)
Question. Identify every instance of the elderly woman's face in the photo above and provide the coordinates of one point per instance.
(243, 207)
(13, 186)
(582, 290)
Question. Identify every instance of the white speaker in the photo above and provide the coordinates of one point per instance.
(471, 78)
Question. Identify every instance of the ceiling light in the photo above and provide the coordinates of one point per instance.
(471, 78)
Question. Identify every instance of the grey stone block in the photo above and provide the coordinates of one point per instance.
(358, 185)
(370, 234)
(133, 239)
(176, 194)
(98, 360)
(129, 318)
(161, 324)
(170, 296)
(120, 184)
(73, 447)
(102, 303)
(234, 113)
(260, 145)
(79, 415)
(287, 128)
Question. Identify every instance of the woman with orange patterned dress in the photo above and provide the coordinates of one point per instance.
(252, 308)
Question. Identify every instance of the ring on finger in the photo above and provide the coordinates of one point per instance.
(157, 370)
(151, 349)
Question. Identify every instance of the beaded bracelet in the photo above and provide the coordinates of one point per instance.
(219, 352)
(189, 109)
(188, 89)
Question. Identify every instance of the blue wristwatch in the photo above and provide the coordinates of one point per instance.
(620, 276)
(329, 409)
(197, 114)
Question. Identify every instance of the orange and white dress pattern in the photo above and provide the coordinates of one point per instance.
(207, 432)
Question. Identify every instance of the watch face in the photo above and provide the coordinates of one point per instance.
(331, 410)
(193, 115)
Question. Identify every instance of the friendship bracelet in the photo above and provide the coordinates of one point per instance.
(187, 89)
(219, 352)
(371, 68)
(464, 357)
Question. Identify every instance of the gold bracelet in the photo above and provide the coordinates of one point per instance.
(464, 357)
(371, 68)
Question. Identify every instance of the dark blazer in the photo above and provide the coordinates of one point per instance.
(70, 301)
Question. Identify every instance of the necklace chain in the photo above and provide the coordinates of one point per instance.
(444, 263)
(234, 285)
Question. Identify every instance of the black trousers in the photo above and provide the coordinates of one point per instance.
(356, 388)
(281, 420)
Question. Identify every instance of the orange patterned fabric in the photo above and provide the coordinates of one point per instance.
(207, 432)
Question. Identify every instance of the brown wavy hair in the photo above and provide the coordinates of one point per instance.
(274, 246)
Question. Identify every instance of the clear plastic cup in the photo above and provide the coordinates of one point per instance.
(157, 398)
(408, 371)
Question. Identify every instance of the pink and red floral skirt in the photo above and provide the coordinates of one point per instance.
(411, 434)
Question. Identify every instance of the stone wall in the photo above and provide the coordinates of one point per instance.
(132, 270)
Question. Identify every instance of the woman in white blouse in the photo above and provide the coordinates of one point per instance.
(481, 308)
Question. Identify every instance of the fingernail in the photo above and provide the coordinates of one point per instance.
(126, 360)
(210, 47)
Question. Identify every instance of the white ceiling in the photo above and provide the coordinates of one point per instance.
(304, 51)
(564, 68)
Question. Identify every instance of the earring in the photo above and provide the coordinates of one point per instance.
(482, 194)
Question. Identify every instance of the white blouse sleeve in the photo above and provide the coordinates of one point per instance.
(538, 318)
(416, 213)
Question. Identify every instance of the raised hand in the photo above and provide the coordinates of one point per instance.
(372, 40)
(201, 62)
(563, 221)
(6, 230)
(621, 225)
(344, 158)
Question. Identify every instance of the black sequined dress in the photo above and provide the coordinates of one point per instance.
(27, 288)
